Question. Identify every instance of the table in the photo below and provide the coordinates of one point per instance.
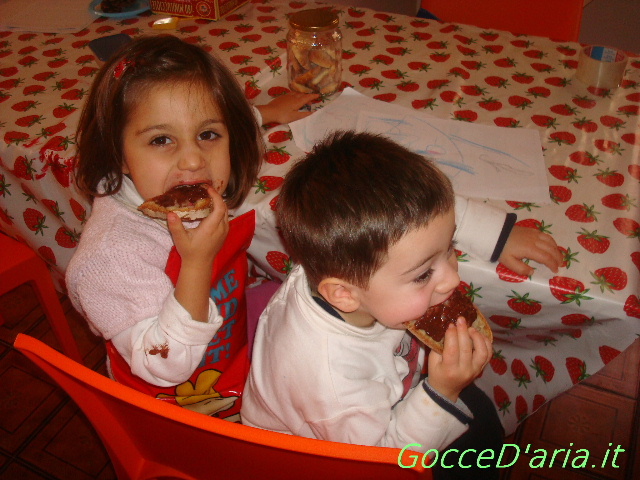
(551, 331)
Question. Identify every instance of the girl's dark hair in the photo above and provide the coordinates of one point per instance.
(138, 66)
(353, 197)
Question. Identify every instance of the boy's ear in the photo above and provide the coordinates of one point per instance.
(342, 295)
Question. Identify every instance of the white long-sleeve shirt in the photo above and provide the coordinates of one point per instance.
(482, 229)
(316, 376)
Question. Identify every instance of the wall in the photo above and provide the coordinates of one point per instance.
(407, 7)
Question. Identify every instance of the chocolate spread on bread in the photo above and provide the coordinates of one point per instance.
(438, 317)
(190, 202)
(183, 195)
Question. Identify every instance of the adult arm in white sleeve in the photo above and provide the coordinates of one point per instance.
(482, 230)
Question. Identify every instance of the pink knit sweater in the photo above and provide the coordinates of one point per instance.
(116, 277)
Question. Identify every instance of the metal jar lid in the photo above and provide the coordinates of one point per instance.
(314, 20)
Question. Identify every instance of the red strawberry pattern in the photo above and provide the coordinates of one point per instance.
(501, 399)
(504, 273)
(632, 306)
(608, 353)
(35, 220)
(523, 304)
(544, 368)
(590, 140)
(522, 409)
(520, 372)
(506, 321)
(610, 278)
(576, 368)
(267, 183)
(279, 261)
(577, 319)
(567, 290)
(498, 363)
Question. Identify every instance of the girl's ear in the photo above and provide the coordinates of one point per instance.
(342, 295)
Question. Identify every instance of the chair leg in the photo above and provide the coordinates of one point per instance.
(55, 315)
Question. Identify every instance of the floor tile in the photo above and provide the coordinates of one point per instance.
(68, 447)
(585, 418)
(635, 469)
(20, 401)
(26, 400)
(16, 304)
(20, 311)
(19, 471)
(622, 374)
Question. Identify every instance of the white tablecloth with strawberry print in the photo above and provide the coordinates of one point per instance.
(551, 330)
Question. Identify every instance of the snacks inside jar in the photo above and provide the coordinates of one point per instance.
(314, 52)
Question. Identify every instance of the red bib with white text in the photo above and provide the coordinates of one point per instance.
(215, 387)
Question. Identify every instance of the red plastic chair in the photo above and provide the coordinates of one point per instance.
(556, 19)
(148, 438)
(18, 265)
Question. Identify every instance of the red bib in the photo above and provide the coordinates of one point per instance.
(215, 388)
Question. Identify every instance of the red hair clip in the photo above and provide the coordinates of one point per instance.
(122, 67)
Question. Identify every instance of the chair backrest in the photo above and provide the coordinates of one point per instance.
(148, 438)
(556, 19)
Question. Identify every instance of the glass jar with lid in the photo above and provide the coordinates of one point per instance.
(314, 51)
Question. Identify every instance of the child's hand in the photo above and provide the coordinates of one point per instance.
(466, 352)
(201, 244)
(525, 242)
(197, 248)
(285, 108)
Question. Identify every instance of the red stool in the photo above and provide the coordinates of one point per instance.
(18, 265)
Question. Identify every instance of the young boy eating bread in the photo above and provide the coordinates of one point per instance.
(370, 225)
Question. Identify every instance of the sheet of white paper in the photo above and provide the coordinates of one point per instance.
(55, 16)
(340, 114)
(481, 161)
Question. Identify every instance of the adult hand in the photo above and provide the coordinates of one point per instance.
(525, 242)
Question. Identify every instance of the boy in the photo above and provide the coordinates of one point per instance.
(370, 225)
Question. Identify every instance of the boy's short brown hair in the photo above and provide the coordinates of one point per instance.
(354, 196)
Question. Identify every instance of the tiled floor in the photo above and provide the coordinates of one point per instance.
(599, 415)
(42, 433)
(44, 436)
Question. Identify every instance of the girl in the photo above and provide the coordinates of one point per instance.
(160, 113)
